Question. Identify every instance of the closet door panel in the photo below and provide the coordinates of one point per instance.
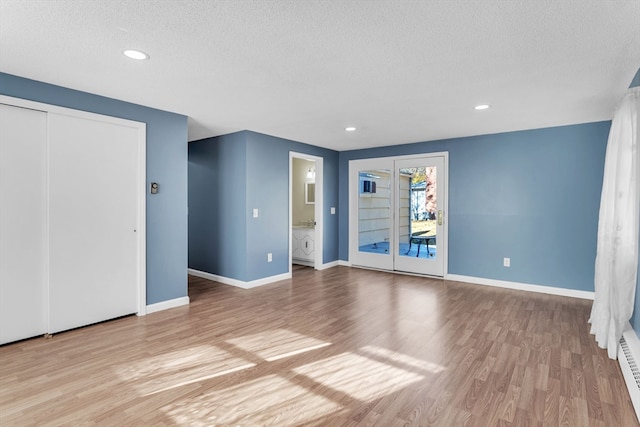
(23, 212)
(93, 185)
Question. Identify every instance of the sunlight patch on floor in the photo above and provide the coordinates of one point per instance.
(403, 359)
(301, 395)
(196, 378)
(269, 400)
(177, 368)
(277, 344)
(298, 351)
(360, 377)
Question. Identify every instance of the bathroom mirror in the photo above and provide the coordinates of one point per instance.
(310, 193)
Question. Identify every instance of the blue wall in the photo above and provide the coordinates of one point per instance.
(530, 195)
(635, 82)
(249, 170)
(166, 165)
(217, 204)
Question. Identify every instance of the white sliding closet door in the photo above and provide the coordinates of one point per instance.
(93, 221)
(23, 213)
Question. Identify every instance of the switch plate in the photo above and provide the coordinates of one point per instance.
(507, 262)
(269, 257)
(255, 213)
(333, 210)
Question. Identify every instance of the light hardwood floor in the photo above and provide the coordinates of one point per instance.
(342, 346)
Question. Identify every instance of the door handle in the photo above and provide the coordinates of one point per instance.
(440, 217)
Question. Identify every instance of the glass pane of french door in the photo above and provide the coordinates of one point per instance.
(372, 208)
(417, 211)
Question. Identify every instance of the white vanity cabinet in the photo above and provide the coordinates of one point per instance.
(303, 245)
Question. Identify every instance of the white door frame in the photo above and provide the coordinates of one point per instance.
(318, 207)
(141, 229)
(353, 202)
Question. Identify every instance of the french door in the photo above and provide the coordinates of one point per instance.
(397, 213)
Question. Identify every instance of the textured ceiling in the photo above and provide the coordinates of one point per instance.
(400, 71)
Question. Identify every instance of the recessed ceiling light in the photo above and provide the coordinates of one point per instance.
(350, 129)
(482, 106)
(135, 54)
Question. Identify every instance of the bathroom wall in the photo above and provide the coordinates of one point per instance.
(301, 211)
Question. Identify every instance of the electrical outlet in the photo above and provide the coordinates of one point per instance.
(507, 262)
(269, 257)
(333, 210)
(255, 213)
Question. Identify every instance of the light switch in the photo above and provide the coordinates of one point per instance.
(333, 210)
(255, 213)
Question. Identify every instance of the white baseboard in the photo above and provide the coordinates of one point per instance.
(165, 305)
(328, 265)
(344, 263)
(239, 283)
(521, 286)
(628, 364)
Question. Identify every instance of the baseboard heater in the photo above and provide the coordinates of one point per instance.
(629, 358)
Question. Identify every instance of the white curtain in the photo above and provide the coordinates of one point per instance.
(617, 254)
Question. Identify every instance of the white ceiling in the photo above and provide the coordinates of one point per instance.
(401, 71)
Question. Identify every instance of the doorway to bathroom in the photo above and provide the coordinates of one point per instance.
(305, 210)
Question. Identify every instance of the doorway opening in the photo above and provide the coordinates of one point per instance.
(305, 210)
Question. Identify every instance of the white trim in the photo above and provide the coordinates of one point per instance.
(551, 290)
(406, 156)
(50, 108)
(290, 201)
(633, 344)
(344, 263)
(142, 220)
(47, 228)
(142, 183)
(328, 265)
(318, 237)
(239, 283)
(165, 305)
(445, 255)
